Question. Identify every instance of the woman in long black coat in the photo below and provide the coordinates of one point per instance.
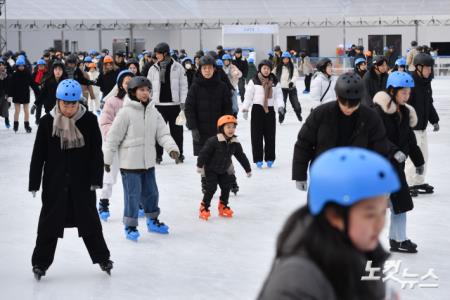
(47, 96)
(72, 169)
(399, 119)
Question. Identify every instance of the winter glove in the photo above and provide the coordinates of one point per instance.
(181, 119)
(94, 187)
(245, 114)
(9, 99)
(201, 171)
(400, 157)
(195, 135)
(436, 127)
(33, 109)
(420, 170)
(175, 156)
(301, 185)
(107, 168)
(249, 174)
(33, 193)
(291, 85)
(282, 111)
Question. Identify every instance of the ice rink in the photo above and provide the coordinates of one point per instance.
(218, 259)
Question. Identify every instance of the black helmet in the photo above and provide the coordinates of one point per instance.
(106, 51)
(360, 48)
(423, 59)
(58, 63)
(238, 50)
(199, 53)
(213, 54)
(137, 82)
(323, 63)
(349, 86)
(379, 60)
(207, 60)
(162, 48)
(265, 62)
(219, 47)
(414, 44)
(121, 53)
(72, 59)
(132, 61)
(276, 48)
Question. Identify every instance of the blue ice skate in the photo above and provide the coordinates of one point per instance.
(269, 163)
(154, 225)
(259, 164)
(132, 233)
(141, 213)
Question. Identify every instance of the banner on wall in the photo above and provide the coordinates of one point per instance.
(250, 29)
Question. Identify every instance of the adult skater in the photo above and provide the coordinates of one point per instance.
(170, 89)
(360, 67)
(208, 99)
(422, 101)
(242, 65)
(375, 79)
(19, 92)
(107, 78)
(214, 162)
(136, 129)
(47, 96)
(306, 69)
(4, 85)
(399, 118)
(264, 95)
(322, 84)
(234, 75)
(110, 111)
(287, 75)
(324, 247)
(39, 74)
(68, 149)
(344, 122)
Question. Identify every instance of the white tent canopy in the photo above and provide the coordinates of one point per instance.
(161, 11)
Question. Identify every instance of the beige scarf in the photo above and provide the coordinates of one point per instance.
(267, 86)
(65, 128)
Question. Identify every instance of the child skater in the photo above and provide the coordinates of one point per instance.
(214, 162)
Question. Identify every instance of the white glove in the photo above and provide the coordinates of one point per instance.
(245, 115)
(9, 99)
(201, 171)
(400, 157)
(301, 185)
(249, 174)
(33, 193)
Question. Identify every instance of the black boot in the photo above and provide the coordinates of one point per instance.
(413, 191)
(181, 158)
(424, 188)
(159, 160)
(7, 125)
(27, 126)
(281, 118)
(234, 187)
(38, 272)
(403, 247)
(16, 126)
(299, 115)
(106, 266)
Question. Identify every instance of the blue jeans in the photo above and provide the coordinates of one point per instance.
(234, 102)
(397, 230)
(139, 187)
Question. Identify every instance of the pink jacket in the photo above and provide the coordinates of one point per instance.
(109, 113)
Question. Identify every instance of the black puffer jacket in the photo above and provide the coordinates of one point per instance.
(373, 83)
(422, 101)
(107, 81)
(19, 86)
(217, 152)
(206, 102)
(399, 133)
(47, 97)
(320, 132)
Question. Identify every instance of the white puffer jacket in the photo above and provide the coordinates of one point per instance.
(254, 94)
(319, 85)
(178, 83)
(134, 133)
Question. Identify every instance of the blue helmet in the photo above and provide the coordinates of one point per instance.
(92, 52)
(359, 60)
(88, 59)
(226, 57)
(219, 62)
(347, 175)
(20, 61)
(251, 60)
(400, 62)
(400, 80)
(286, 54)
(140, 56)
(98, 57)
(122, 74)
(68, 90)
(41, 62)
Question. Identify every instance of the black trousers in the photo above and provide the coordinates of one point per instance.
(292, 93)
(212, 179)
(170, 114)
(308, 82)
(38, 113)
(263, 130)
(44, 251)
(241, 87)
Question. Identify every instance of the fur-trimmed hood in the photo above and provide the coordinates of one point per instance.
(221, 138)
(390, 107)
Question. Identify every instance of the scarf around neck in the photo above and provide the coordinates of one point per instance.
(267, 86)
(65, 128)
(162, 69)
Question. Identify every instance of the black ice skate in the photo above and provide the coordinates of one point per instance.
(38, 272)
(424, 188)
(413, 191)
(403, 247)
(106, 266)
(27, 127)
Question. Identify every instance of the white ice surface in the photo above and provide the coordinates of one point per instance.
(218, 259)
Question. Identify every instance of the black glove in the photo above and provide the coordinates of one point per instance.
(175, 156)
(195, 135)
(33, 109)
(107, 168)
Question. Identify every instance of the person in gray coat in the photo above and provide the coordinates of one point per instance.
(325, 247)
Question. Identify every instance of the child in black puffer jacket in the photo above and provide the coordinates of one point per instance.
(214, 162)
